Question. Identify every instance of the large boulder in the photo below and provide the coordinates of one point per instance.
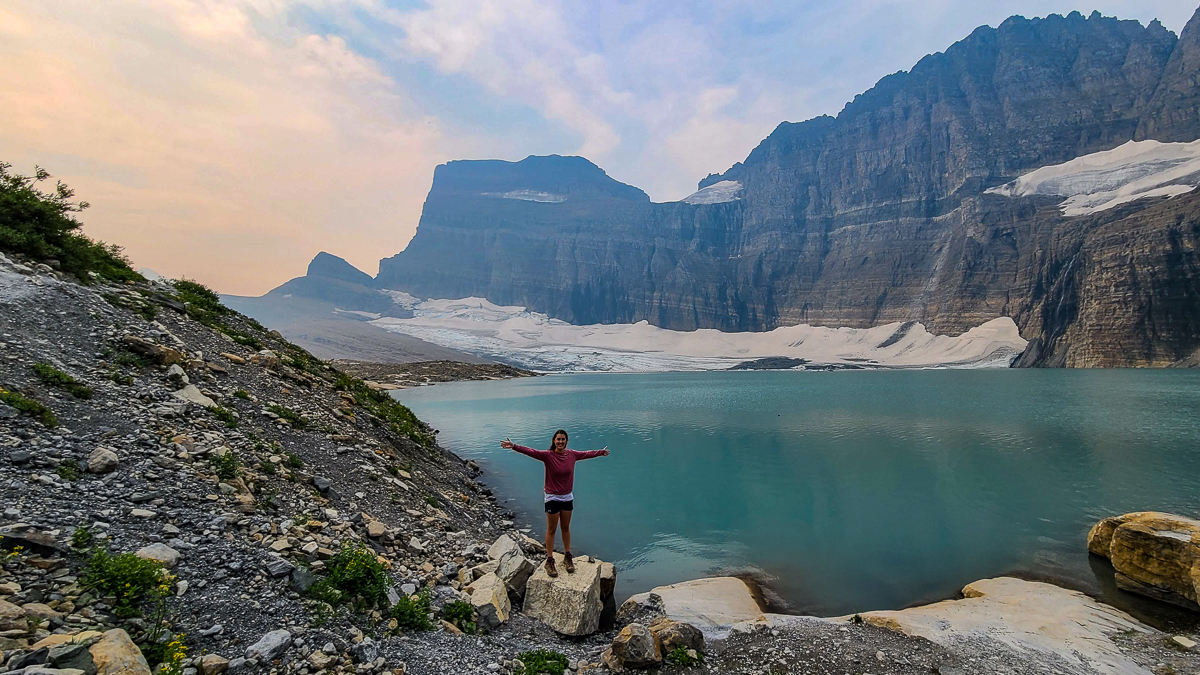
(502, 545)
(636, 647)
(1154, 554)
(12, 617)
(608, 598)
(193, 395)
(489, 596)
(514, 569)
(713, 605)
(568, 603)
(115, 654)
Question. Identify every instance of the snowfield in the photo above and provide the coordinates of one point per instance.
(1102, 180)
(717, 193)
(528, 196)
(535, 341)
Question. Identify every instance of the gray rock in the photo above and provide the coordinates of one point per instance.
(74, 656)
(102, 460)
(364, 652)
(636, 647)
(177, 373)
(322, 484)
(20, 456)
(408, 589)
(514, 570)
(302, 580)
(236, 665)
(270, 647)
(278, 567)
(7, 411)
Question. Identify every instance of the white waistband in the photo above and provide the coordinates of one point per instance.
(570, 496)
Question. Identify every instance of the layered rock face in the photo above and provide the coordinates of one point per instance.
(875, 216)
(1154, 554)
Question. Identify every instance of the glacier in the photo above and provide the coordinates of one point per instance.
(1103, 180)
(533, 340)
(717, 193)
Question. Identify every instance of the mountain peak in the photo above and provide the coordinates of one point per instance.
(332, 267)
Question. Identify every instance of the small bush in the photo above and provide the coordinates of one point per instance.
(68, 471)
(166, 658)
(412, 612)
(120, 378)
(684, 657)
(148, 312)
(431, 500)
(29, 407)
(226, 465)
(131, 359)
(225, 416)
(541, 662)
(294, 461)
(354, 576)
(57, 378)
(127, 578)
(290, 415)
(269, 468)
(461, 614)
(82, 538)
(242, 394)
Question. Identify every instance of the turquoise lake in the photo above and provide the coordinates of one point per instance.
(847, 491)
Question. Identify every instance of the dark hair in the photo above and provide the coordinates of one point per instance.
(560, 431)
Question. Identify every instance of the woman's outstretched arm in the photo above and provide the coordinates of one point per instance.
(509, 445)
(588, 454)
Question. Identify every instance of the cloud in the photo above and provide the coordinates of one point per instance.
(213, 140)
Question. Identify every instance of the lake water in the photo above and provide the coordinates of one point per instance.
(850, 491)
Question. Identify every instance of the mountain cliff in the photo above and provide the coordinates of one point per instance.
(873, 216)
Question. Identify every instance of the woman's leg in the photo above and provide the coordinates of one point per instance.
(551, 528)
(566, 528)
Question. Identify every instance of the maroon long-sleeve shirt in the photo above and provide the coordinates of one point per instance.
(560, 468)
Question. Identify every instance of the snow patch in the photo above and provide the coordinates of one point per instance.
(717, 193)
(1103, 180)
(528, 196)
(403, 299)
(533, 340)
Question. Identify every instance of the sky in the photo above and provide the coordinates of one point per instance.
(229, 141)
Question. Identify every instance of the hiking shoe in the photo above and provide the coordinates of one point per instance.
(569, 563)
(550, 567)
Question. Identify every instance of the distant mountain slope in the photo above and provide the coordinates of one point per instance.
(326, 312)
(875, 216)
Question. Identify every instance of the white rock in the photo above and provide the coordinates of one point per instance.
(569, 603)
(489, 596)
(501, 546)
(102, 460)
(713, 605)
(163, 554)
(192, 395)
(270, 647)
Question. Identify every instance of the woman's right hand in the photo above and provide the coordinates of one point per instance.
(506, 444)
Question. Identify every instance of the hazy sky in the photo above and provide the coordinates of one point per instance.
(231, 140)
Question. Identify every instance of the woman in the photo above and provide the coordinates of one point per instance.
(560, 477)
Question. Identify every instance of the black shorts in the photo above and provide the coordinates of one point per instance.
(554, 506)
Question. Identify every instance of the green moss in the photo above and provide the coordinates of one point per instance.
(30, 407)
(57, 378)
(68, 471)
(291, 416)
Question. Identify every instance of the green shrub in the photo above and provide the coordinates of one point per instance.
(353, 576)
(225, 416)
(166, 658)
(269, 468)
(29, 407)
(148, 312)
(82, 538)
(242, 394)
(226, 465)
(684, 657)
(431, 500)
(40, 225)
(131, 359)
(120, 378)
(541, 662)
(412, 612)
(294, 461)
(127, 578)
(290, 415)
(68, 471)
(461, 614)
(57, 378)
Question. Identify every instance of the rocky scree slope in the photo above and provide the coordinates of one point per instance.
(143, 461)
(874, 216)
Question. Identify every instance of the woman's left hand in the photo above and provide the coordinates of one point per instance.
(604, 451)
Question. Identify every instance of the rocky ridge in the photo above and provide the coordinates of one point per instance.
(874, 216)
